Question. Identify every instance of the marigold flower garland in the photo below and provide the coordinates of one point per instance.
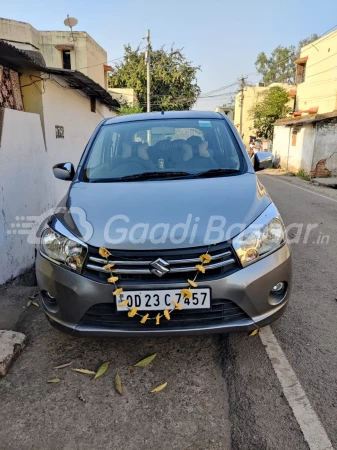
(205, 258)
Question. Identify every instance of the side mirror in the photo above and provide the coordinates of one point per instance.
(64, 171)
(262, 160)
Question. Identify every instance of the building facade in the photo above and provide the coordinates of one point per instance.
(251, 96)
(72, 50)
(316, 75)
(47, 115)
(307, 141)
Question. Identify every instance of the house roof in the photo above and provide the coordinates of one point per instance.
(309, 118)
(19, 60)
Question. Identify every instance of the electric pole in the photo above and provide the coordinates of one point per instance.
(242, 97)
(148, 79)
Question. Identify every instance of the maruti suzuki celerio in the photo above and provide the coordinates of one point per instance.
(165, 229)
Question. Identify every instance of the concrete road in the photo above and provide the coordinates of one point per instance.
(224, 392)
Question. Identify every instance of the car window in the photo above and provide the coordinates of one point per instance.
(169, 145)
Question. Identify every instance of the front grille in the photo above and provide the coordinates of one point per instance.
(105, 315)
(134, 266)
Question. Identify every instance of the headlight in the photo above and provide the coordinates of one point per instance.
(262, 237)
(65, 251)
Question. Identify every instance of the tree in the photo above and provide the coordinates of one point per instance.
(273, 106)
(173, 78)
(280, 67)
(125, 108)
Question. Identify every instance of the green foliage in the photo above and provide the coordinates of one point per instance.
(126, 109)
(173, 78)
(280, 67)
(272, 107)
(303, 175)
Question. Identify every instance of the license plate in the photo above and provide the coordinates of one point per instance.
(162, 299)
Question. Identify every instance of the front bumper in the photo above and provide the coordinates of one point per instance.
(249, 288)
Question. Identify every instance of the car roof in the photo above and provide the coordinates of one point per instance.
(165, 115)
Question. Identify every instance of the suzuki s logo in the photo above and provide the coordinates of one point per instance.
(159, 267)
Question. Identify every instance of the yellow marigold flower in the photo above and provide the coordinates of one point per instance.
(200, 268)
(158, 316)
(118, 291)
(167, 314)
(192, 283)
(104, 252)
(133, 312)
(123, 303)
(144, 319)
(113, 279)
(186, 293)
(108, 267)
(205, 258)
(177, 305)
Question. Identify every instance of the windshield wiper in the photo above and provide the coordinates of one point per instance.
(143, 176)
(211, 172)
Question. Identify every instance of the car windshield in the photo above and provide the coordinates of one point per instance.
(160, 149)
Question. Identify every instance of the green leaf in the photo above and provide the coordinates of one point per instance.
(160, 387)
(102, 369)
(146, 361)
(85, 371)
(118, 384)
(62, 366)
(54, 380)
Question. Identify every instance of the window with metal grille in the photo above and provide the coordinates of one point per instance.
(300, 73)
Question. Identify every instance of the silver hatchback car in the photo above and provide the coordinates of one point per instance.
(165, 229)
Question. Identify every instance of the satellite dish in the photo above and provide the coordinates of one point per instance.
(70, 22)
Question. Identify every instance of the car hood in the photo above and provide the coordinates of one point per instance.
(163, 214)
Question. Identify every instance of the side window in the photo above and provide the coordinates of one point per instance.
(300, 73)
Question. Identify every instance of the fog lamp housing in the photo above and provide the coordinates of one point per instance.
(278, 288)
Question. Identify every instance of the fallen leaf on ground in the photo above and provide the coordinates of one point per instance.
(62, 366)
(85, 371)
(54, 380)
(160, 388)
(146, 361)
(253, 333)
(29, 303)
(102, 369)
(32, 297)
(80, 396)
(36, 304)
(118, 384)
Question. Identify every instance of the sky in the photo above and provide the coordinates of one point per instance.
(222, 37)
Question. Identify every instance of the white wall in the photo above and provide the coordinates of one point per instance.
(294, 157)
(281, 145)
(27, 184)
(70, 109)
(24, 187)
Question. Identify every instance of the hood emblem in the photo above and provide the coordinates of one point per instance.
(159, 267)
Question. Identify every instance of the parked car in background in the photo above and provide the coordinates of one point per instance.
(165, 229)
